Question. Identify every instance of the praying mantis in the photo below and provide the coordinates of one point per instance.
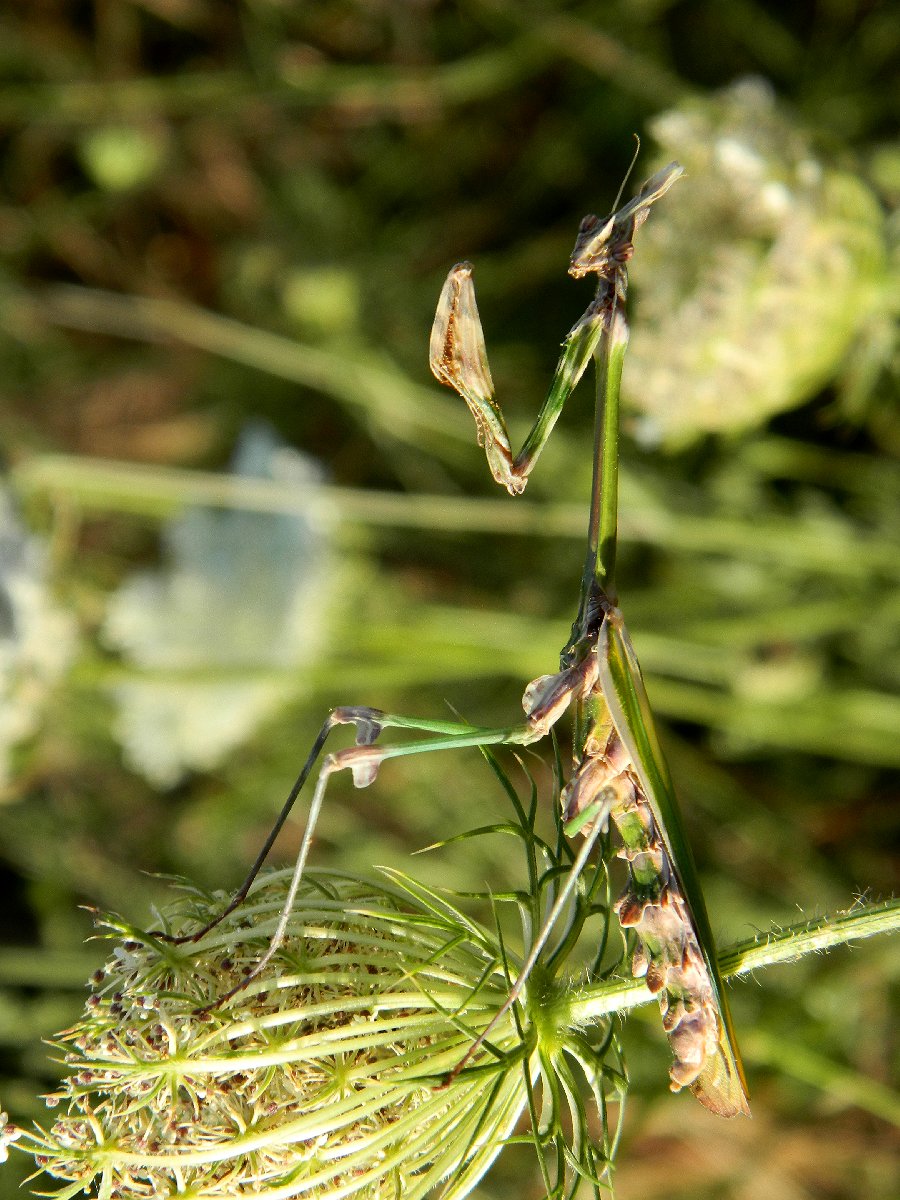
(619, 773)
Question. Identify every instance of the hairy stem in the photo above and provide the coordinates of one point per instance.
(764, 950)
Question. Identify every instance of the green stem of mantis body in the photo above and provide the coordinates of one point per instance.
(610, 358)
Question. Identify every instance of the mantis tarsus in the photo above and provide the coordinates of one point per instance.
(619, 772)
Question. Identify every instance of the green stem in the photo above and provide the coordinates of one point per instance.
(610, 359)
(388, 89)
(355, 375)
(779, 543)
(789, 1057)
(766, 950)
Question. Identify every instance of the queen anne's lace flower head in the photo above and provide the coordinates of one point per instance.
(334, 1073)
(763, 272)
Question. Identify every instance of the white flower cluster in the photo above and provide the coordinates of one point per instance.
(37, 637)
(761, 274)
(216, 636)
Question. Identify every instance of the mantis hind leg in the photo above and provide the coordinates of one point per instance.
(544, 701)
(363, 761)
(367, 729)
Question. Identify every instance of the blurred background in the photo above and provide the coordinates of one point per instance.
(233, 496)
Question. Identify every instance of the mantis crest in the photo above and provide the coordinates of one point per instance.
(618, 772)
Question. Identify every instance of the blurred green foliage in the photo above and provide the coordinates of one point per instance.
(213, 213)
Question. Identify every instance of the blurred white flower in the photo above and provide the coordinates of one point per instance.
(242, 601)
(760, 276)
(37, 638)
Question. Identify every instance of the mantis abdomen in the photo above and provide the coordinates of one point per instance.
(620, 774)
(606, 785)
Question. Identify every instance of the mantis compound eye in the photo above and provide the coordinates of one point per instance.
(591, 252)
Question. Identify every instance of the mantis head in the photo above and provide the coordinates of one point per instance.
(604, 244)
